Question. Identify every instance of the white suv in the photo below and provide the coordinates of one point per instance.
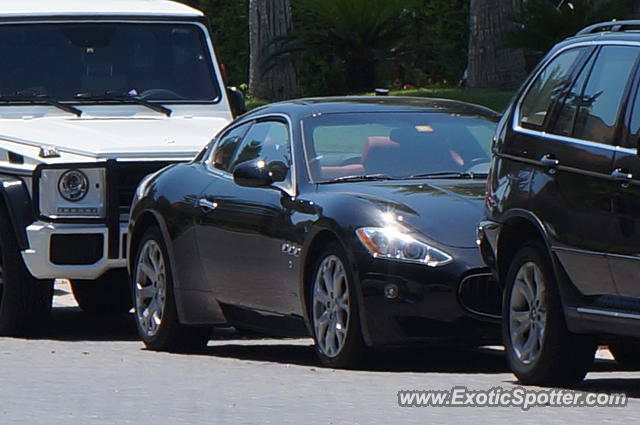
(94, 95)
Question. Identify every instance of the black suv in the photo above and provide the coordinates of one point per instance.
(562, 232)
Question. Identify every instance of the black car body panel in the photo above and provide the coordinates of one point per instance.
(244, 255)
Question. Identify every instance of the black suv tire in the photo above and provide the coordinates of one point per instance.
(531, 299)
(25, 302)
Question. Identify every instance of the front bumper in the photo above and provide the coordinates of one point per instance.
(427, 308)
(47, 258)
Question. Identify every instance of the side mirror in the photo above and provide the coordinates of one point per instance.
(236, 101)
(257, 173)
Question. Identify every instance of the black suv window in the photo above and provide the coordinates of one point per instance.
(600, 103)
(226, 146)
(547, 88)
(567, 114)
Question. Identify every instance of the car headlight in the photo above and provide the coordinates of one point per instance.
(391, 243)
(73, 185)
(74, 192)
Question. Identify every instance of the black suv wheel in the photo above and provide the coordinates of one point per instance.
(540, 349)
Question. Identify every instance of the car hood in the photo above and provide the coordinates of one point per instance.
(105, 137)
(445, 211)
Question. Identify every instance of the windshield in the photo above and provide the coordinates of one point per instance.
(154, 61)
(396, 145)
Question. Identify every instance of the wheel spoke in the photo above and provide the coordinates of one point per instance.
(519, 330)
(145, 292)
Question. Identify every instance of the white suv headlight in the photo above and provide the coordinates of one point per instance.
(73, 185)
(78, 192)
(392, 244)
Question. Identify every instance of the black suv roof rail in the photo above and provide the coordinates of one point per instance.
(611, 26)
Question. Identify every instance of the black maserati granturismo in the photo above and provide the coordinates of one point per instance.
(348, 219)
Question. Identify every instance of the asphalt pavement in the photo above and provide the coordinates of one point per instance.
(92, 370)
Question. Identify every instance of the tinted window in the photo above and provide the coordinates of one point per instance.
(396, 144)
(156, 61)
(268, 140)
(566, 116)
(634, 129)
(226, 146)
(600, 103)
(548, 87)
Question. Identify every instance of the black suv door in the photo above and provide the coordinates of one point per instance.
(566, 128)
(624, 255)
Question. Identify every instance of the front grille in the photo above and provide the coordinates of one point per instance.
(129, 175)
(481, 294)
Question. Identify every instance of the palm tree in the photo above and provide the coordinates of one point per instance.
(355, 37)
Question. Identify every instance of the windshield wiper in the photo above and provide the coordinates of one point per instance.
(38, 99)
(124, 98)
(448, 175)
(357, 178)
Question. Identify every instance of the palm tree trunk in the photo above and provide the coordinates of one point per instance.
(269, 19)
(492, 65)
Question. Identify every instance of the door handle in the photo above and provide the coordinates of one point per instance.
(623, 176)
(206, 205)
(549, 161)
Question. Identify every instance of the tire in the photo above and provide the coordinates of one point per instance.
(540, 349)
(156, 315)
(627, 354)
(110, 293)
(334, 310)
(25, 302)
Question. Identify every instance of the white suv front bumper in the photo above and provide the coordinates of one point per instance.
(38, 257)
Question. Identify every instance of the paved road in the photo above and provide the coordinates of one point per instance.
(91, 370)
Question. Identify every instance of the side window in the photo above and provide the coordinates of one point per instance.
(634, 125)
(223, 150)
(567, 114)
(267, 140)
(600, 103)
(548, 87)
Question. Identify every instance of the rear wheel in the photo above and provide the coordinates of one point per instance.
(540, 349)
(155, 305)
(109, 293)
(25, 302)
(334, 310)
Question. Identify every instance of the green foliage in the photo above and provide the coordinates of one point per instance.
(439, 34)
(229, 23)
(345, 43)
(543, 23)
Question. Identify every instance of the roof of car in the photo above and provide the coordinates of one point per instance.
(43, 8)
(347, 104)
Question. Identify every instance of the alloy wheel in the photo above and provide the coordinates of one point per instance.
(331, 306)
(528, 312)
(150, 287)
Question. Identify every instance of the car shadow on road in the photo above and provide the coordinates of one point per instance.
(72, 324)
(416, 359)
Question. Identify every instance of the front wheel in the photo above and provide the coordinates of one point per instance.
(334, 310)
(156, 314)
(108, 294)
(25, 302)
(540, 349)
